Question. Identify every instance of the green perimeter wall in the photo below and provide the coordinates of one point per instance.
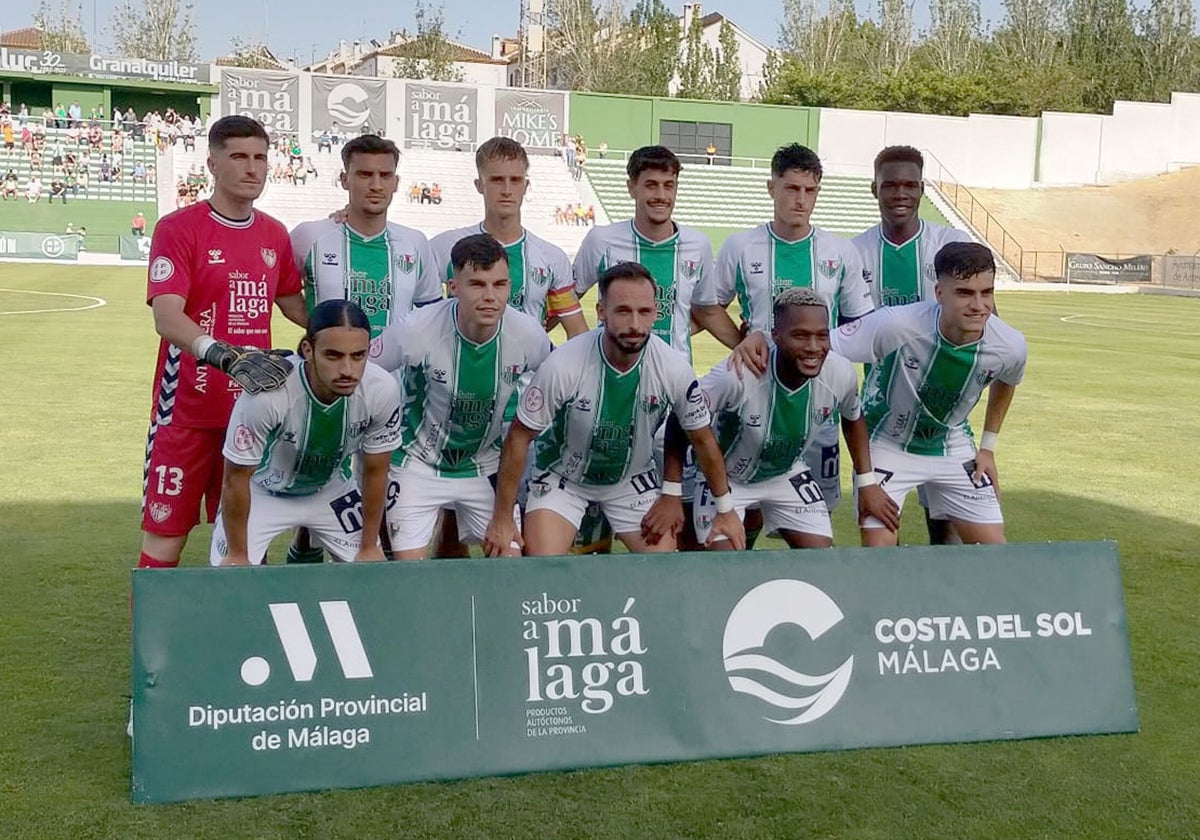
(628, 122)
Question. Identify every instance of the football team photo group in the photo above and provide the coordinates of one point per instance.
(426, 409)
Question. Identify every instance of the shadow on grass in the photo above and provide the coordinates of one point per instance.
(64, 758)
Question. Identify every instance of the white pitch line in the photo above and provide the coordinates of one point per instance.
(96, 302)
(1125, 325)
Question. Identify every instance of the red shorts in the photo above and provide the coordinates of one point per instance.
(184, 468)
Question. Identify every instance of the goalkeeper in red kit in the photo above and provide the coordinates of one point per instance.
(216, 270)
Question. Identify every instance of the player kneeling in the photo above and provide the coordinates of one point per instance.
(287, 451)
(594, 407)
(461, 361)
(766, 426)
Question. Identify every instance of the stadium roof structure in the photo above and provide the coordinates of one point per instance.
(29, 38)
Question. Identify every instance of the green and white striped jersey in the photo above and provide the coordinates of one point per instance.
(301, 444)
(387, 274)
(756, 265)
(455, 391)
(682, 265)
(764, 428)
(539, 272)
(598, 423)
(904, 273)
(921, 388)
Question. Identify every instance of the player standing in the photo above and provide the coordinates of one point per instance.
(384, 267)
(756, 265)
(287, 451)
(541, 282)
(897, 254)
(930, 363)
(460, 362)
(765, 425)
(216, 268)
(595, 406)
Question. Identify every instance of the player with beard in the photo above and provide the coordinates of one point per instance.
(594, 406)
(930, 363)
(287, 452)
(766, 425)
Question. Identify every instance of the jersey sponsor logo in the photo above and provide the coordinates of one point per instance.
(830, 268)
(534, 400)
(694, 395)
(243, 438)
(268, 255)
(394, 420)
(214, 256)
(248, 297)
(161, 270)
(159, 511)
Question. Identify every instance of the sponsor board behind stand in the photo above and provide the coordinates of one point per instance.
(39, 246)
(348, 676)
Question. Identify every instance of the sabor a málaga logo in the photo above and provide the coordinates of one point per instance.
(762, 609)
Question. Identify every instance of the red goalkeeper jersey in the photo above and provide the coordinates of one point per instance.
(229, 272)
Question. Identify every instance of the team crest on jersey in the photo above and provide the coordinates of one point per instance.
(929, 272)
(650, 403)
(406, 262)
(268, 255)
(511, 374)
(159, 511)
(984, 377)
(691, 269)
(539, 275)
(829, 268)
(825, 416)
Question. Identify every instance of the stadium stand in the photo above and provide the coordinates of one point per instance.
(454, 172)
(736, 197)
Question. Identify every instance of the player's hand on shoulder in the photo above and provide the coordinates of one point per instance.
(728, 527)
(255, 370)
(664, 518)
(752, 354)
(874, 501)
(501, 533)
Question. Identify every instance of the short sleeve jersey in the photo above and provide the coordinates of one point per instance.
(299, 443)
(681, 266)
(921, 388)
(756, 265)
(456, 391)
(386, 274)
(899, 274)
(539, 273)
(229, 274)
(764, 428)
(599, 422)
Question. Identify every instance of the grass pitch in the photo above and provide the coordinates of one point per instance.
(1098, 444)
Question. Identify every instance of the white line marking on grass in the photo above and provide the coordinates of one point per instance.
(96, 302)
(1132, 324)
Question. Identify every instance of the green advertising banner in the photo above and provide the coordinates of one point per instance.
(134, 247)
(41, 246)
(268, 680)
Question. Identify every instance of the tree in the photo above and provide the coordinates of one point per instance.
(953, 44)
(1102, 47)
(896, 37)
(1032, 35)
(600, 48)
(697, 64)
(817, 42)
(650, 49)
(160, 30)
(1166, 48)
(429, 54)
(727, 74)
(62, 28)
(254, 55)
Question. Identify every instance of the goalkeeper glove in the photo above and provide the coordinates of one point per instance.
(255, 370)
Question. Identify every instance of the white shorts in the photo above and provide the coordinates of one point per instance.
(333, 514)
(824, 460)
(946, 480)
(416, 496)
(623, 504)
(788, 503)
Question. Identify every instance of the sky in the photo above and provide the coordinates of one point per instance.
(302, 29)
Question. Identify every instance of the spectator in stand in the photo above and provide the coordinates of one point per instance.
(117, 119)
(181, 194)
(33, 189)
(60, 116)
(73, 184)
(710, 151)
(127, 146)
(58, 189)
(58, 156)
(76, 114)
(95, 136)
(426, 196)
(10, 186)
(35, 159)
(48, 117)
(414, 193)
(558, 215)
(580, 215)
(310, 168)
(9, 138)
(187, 131)
(84, 180)
(139, 173)
(105, 169)
(435, 193)
(580, 160)
(26, 139)
(23, 115)
(151, 173)
(75, 136)
(335, 134)
(324, 142)
(603, 150)
(97, 114)
(132, 125)
(299, 174)
(591, 215)
(138, 225)
(116, 173)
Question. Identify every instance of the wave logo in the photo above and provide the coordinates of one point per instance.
(347, 104)
(762, 609)
(298, 646)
